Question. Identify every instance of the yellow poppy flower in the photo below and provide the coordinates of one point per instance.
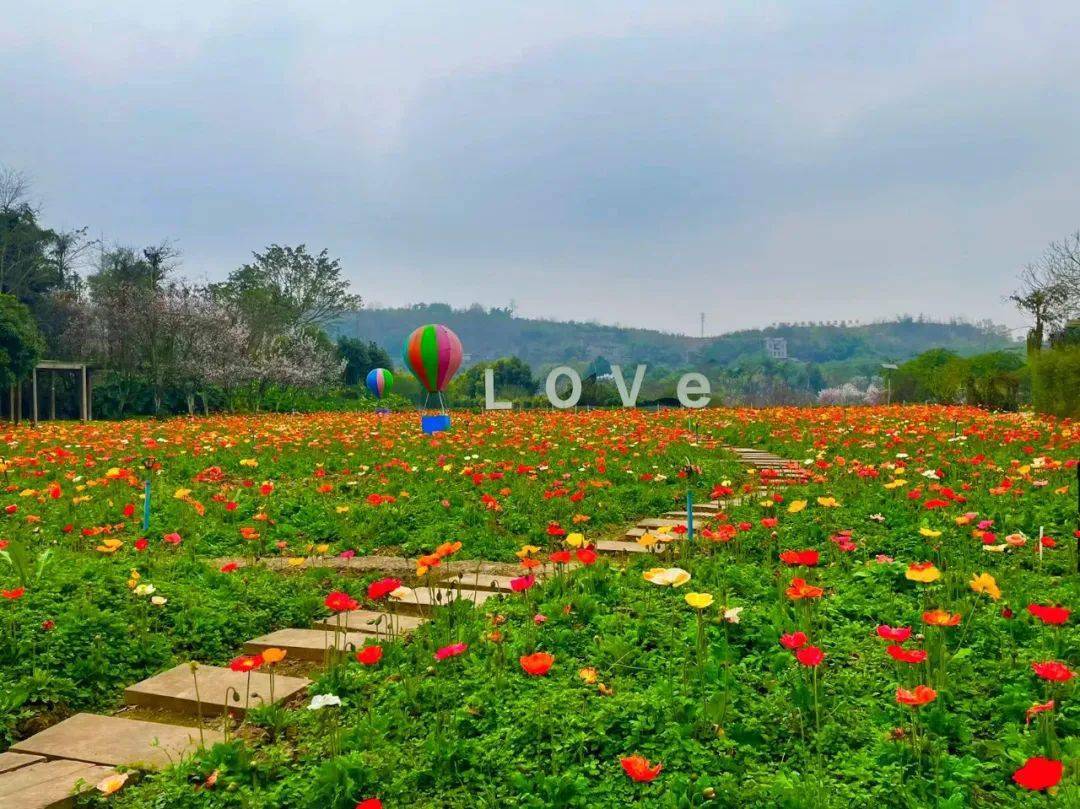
(249, 462)
(646, 540)
(924, 572)
(180, 494)
(342, 509)
(796, 506)
(110, 545)
(699, 601)
(273, 655)
(296, 561)
(112, 784)
(895, 484)
(827, 502)
(575, 539)
(929, 532)
(588, 675)
(666, 576)
(984, 583)
(526, 550)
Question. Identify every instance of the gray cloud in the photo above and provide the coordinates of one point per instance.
(627, 162)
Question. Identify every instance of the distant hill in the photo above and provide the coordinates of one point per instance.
(488, 334)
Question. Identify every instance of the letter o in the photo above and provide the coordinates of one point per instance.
(552, 391)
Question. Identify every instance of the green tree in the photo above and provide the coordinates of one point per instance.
(20, 341)
(286, 288)
(360, 357)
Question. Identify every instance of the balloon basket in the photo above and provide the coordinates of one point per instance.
(435, 424)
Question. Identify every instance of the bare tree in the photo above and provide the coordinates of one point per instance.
(1062, 263)
(1045, 297)
(14, 189)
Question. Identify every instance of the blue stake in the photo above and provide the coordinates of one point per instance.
(146, 507)
(689, 515)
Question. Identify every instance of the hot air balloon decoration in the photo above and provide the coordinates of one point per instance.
(379, 382)
(433, 355)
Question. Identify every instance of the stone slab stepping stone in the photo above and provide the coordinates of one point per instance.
(174, 690)
(114, 741)
(12, 761)
(307, 644)
(421, 600)
(483, 581)
(371, 623)
(49, 784)
(656, 522)
(616, 546)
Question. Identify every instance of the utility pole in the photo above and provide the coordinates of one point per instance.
(702, 324)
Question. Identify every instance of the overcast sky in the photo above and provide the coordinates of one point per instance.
(627, 162)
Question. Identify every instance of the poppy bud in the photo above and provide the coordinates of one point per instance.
(708, 793)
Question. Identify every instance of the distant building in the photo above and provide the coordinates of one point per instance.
(776, 348)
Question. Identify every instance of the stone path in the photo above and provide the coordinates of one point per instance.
(48, 769)
(773, 470)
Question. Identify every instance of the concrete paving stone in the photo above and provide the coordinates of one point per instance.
(12, 761)
(174, 690)
(49, 784)
(113, 741)
(617, 546)
(369, 622)
(308, 644)
(420, 600)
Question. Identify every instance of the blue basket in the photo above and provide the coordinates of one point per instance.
(435, 424)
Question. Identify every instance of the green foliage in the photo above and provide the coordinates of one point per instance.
(360, 358)
(1055, 381)
(993, 380)
(513, 381)
(286, 287)
(21, 345)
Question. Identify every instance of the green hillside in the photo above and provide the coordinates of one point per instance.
(491, 333)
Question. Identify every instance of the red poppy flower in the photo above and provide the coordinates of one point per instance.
(639, 769)
(793, 640)
(522, 583)
(586, 556)
(920, 696)
(49, 625)
(172, 539)
(1039, 773)
(897, 634)
(382, 588)
(536, 664)
(555, 530)
(129, 509)
(369, 655)
(906, 655)
(370, 803)
(810, 656)
(453, 650)
(1053, 671)
(941, 618)
(13, 595)
(799, 589)
(338, 601)
(142, 543)
(246, 663)
(1055, 616)
(804, 558)
(769, 522)
(560, 557)
(228, 567)
(1038, 708)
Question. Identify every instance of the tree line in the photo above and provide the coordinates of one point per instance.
(165, 344)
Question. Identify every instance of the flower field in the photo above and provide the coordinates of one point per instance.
(896, 629)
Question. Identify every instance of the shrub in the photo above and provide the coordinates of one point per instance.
(1055, 381)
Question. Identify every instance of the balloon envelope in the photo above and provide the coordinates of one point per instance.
(379, 382)
(433, 355)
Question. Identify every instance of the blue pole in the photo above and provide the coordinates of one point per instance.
(690, 515)
(146, 507)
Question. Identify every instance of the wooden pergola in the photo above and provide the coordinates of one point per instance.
(86, 389)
